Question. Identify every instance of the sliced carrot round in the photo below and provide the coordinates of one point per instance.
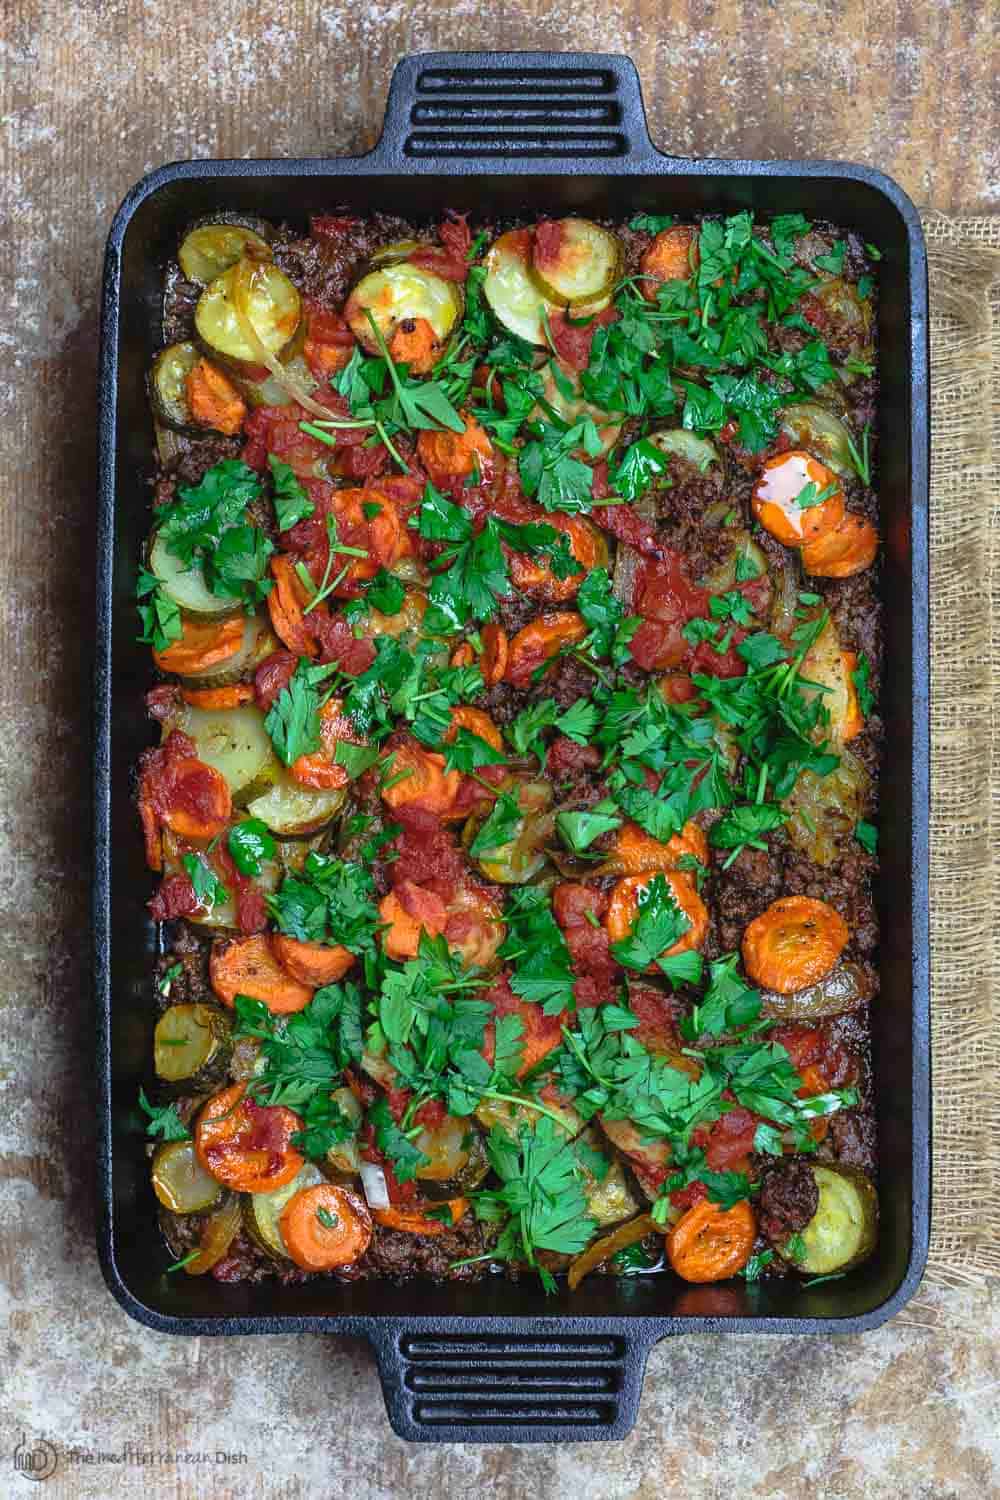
(636, 852)
(234, 695)
(709, 1243)
(203, 644)
(534, 575)
(493, 662)
(539, 641)
(417, 778)
(672, 256)
(245, 1145)
(450, 457)
(794, 943)
(414, 343)
(197, 804)
(313, 964)
(623, 909)
(408, 912)
(775, 498)
(415, 1221)
(248, 966)
(320, 768)
(326, 1226)
(476, 721)
(462, 656)
(285, 606)
(214, 400)
(848, 548)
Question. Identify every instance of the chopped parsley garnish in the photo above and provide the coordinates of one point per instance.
(330, 901)
(159, 616)
(250, 843)
(164, 1123)
(208, 526)
(291, 503)
(208, 888)
(305, 1054)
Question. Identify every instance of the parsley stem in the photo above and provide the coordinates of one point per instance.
(528, 1104)
(383, 434)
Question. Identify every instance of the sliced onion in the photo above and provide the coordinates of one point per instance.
(608, 1245)
(374, 1183)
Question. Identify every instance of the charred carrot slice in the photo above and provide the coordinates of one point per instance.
(313, 964)
(233, 696)
(285, 606)
(245, 1145)
(672, 256)
(776, 504)
(416, 345)
(539, 641)
(452, 456)
(636, 852)
(848, 548)
(795, 942)
(214, 400)
(493, 662)
(414, 1221)
(324, 1227)
(203, 644)
(248, 966)
(623, 909)
(709, 1243)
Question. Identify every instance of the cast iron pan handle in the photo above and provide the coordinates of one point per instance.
(526, 1387)
(582, 110)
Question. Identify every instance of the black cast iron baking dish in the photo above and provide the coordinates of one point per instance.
(507, 133)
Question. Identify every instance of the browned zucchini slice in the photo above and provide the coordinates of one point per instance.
(167, 388)
(575, 263)
(180, 1181)
(843, 1230)
(192, 1045)
(213, 245)
(248, 313)
(397, 296)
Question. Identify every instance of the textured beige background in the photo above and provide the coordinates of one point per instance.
(94, 93)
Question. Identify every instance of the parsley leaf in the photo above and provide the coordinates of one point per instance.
(861, 677)
(578, 830)
(160, 617)
(250, 843)
(164, 1120)
(406, 1158)
(208, 888)
(330, 901)
(537, 949)
(291, 503)
(652, 223)
(385, 593)
(499, 828)
(867, 836)
(639, 466)
(658, 925)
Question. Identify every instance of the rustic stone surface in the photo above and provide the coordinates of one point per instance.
(94, 93)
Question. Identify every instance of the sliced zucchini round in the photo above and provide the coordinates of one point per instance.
(824, 673)
(679, 443)
(167, 389)
(185, 583)
(510, 1117)
(458, 1161)
(510, 289)
(575, 263)
(213, 245)
(843, 1230)
(180, 1181)
(192, 1045)
(400, 293)
(262, 1211)
(258, 641)
(816, 429)
(397, 250)
(235, 742)
(574, 408)
(264, 297)
(289, 808)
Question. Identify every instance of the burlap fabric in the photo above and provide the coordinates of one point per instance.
(965, 726)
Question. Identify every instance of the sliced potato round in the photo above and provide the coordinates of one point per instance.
(510, 289)
(267, 301)
(289, 808)
(574, 408)
(400, 293)
(212, 246)
(262, 1211)
(180, 1181)
(235, 742)
(680, 443)
(258, 642)
(185, 583)
(843, 1230)
(192, 1045)
(576, 263)
(167, 390)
